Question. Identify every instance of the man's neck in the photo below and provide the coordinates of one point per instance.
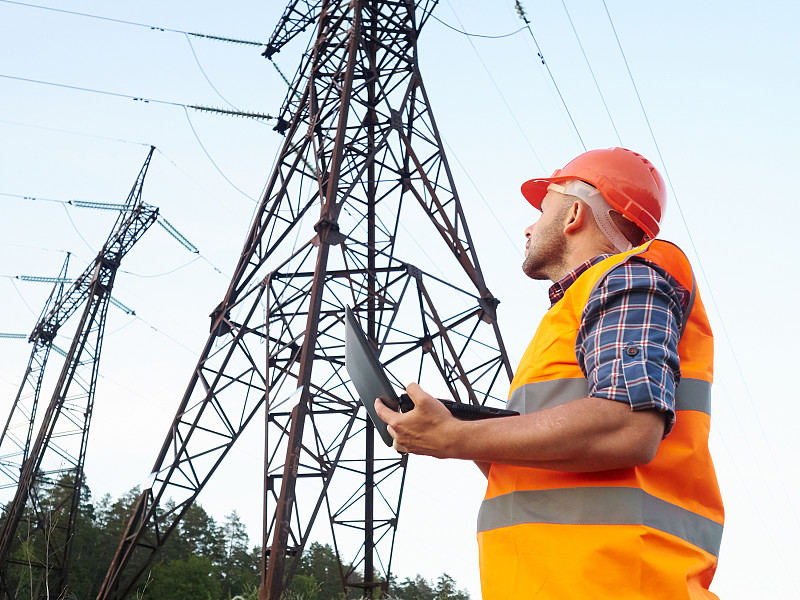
(579, 255)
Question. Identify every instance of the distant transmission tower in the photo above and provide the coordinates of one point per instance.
(17, 435)
(52, 463)
(361, 194)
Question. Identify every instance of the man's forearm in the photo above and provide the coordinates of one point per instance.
(589, 434)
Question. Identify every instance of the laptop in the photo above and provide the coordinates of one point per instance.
(371, 382)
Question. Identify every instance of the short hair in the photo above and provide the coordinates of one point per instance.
(632, 232)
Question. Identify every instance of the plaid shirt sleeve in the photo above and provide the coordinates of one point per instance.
(627, 345)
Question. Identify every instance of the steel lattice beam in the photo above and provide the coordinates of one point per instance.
(361, 166)
(17, 435)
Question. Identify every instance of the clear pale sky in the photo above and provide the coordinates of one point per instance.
(717, 81)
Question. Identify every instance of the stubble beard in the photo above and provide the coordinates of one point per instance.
(545, 254)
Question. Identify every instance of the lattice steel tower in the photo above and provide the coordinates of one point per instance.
(52, 462)
(361, 193)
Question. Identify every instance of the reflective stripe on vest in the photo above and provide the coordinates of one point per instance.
(600, 506)
(691, 394)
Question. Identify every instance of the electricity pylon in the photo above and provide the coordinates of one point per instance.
(17, 434)
(53, 462)
(361, 192)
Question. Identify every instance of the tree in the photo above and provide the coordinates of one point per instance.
(239, 567)
(34, 568)
(446, 589)
(420, 589)
(414, 589)
(201, 560)
(320, 563)
(193, 577)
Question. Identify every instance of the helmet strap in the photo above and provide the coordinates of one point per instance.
(600, 209)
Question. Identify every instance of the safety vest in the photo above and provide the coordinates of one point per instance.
(645, 532)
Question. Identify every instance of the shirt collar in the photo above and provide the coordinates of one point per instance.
(560, 287)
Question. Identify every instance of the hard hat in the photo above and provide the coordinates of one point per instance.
(601, 210)
(627, 180)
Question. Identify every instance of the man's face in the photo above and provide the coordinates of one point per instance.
(546, 244)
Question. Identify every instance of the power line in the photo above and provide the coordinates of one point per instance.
(56, 129)
(201, 108)
(477, 35)
(170, 272)
(216, 38)
(187, 35)
(166, 225)
(588, 64)
(500, 93)
(75, 227)
(738, 366)
(521, 12)
(24, 301)
(207, 78)
(216, 166)
(71, 132)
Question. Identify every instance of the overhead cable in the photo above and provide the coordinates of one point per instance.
(502, 96)
(477, 35)
(168, 227)
(738, 366)
(77, 231)
(207, 78)
(208, 155)
(588, 64)
(251, 115)
(521, 12)
(71, 132)
(216, 38)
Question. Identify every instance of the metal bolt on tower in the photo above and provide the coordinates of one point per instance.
(360, 210)
(52, 462)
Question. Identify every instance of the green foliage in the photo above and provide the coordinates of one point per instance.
(238, 567)
(320, 564)
(201, 560)
(420, 589)
(193, 577)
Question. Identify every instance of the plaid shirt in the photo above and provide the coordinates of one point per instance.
(627, 344)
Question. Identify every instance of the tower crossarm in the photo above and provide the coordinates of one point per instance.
(298, 16)
(133, 219)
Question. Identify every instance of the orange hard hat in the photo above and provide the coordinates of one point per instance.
(627, 180)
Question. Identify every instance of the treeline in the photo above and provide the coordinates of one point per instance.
(201, 560)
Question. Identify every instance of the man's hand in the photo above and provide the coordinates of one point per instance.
(588, 434)
(428, 429)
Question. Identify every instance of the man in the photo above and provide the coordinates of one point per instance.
(603, 487)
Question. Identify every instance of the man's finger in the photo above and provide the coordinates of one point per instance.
(380, 407)
(399, 448)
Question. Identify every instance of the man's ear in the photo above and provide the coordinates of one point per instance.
(575, 217)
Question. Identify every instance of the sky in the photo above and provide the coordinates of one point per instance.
(706, 90)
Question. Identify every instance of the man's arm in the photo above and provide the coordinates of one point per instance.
(589, 434)
(627, 347)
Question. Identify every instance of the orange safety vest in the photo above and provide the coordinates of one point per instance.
(645, 532)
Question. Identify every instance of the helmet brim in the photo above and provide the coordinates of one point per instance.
(534, 190)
